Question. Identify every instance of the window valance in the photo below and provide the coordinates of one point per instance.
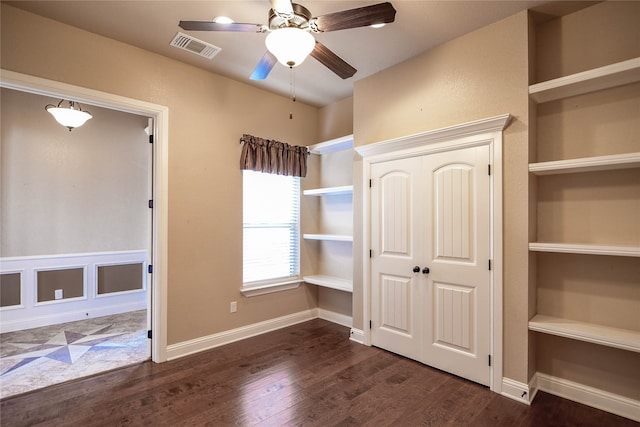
(269, 156)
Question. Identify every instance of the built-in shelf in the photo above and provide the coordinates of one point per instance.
(332, 145)
(606, 77)
(587, 164)
(331, 237)
(330, 191)
(630, 251)
(330, 282)
(604, 335)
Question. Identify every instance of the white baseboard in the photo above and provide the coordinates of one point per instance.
(356, 335)
(600, 399)
(331, 316)
(516, 390)
(186, 348)
(69, 316)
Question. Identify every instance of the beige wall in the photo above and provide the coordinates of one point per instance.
(71, 192)
(336, 120)
(479, 75)
(207, 116)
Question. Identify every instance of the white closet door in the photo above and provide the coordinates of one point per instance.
(433, 212)
(457, 329)
(396, 296)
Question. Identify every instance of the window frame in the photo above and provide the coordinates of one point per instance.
(275, 284)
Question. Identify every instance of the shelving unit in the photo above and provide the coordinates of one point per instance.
(569, 248)
(330, 282)
(331, 191)
(609, 76)
(589, 332)
(588, 81)
(328, 239)
(587, 164)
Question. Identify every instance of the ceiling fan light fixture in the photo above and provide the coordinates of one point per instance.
(70, 117)
(223, 20)
(290, 45)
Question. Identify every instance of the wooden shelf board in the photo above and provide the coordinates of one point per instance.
(333, 237)
(604, 335)
(329, 191)
(587, 164)
(330, 282)
(338, 144)
(606, 77)
(630, 251)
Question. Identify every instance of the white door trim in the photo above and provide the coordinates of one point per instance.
(160, 114)
(481, 132)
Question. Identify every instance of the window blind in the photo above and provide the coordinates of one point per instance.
(271, 230)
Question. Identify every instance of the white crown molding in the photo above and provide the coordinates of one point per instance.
(420, 140)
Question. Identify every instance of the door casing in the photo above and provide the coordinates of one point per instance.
(160, 114)
(472, 134)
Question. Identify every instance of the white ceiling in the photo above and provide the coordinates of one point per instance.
(151, 25)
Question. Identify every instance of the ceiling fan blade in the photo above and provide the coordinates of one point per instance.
(264, 67)
(283, 8)
(216, 26)
(332, 61)
(381, 13)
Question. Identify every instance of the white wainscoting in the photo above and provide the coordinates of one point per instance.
(32, 314)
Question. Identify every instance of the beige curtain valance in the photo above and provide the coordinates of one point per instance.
(269, 156)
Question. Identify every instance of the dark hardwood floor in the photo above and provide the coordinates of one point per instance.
(309, 375)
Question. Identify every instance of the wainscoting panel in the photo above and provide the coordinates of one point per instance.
(52, 301)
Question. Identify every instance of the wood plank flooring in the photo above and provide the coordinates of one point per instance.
(305, 375)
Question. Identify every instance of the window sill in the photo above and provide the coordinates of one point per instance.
(270, 288)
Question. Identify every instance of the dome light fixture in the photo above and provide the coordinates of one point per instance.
(290, 45)
(70, 117)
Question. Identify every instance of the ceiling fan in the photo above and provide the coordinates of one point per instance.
(290, 41)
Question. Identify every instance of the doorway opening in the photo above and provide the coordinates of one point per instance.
(136, 277)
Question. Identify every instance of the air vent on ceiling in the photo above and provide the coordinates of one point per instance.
(191, 44)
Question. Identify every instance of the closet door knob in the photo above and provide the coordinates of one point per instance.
(416, 269)
(425, 270)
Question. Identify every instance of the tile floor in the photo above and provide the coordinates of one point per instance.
(40, 357)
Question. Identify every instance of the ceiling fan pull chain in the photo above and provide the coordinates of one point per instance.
(292, 89)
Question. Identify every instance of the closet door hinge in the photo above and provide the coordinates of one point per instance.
(150, 139)
(489, 265)
(149, 334)
(488, 169)
(370, 324)
(370, 183)
(370, 253)
(489, 360)
(150, 269)
(150, 204)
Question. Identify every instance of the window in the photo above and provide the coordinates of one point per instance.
(271, 218)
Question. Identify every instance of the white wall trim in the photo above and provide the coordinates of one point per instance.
(160, 114)
(71, 316)
(332, 316)
(32, 313)
(476, 133)
(516, 390)
(196, 345)
(432, 139)
(600, 399)
(356, 335)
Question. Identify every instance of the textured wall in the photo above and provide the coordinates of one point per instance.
(207, 115)
(479, 75)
